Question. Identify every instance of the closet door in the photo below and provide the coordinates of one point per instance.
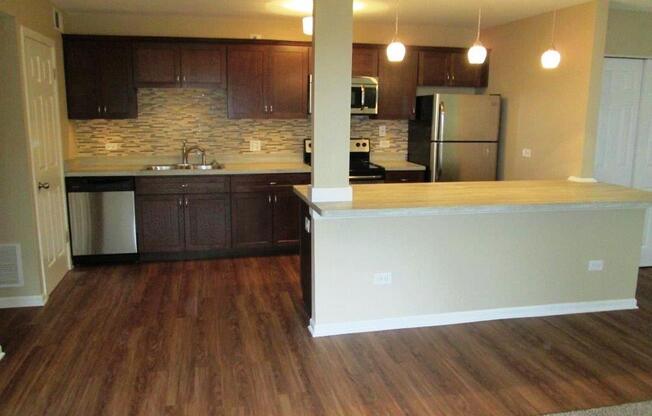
(643, 158)
(618, 125)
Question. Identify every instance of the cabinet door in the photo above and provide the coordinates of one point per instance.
(203, 66)
(287, 209)
(82, 87)
(160, 223)
(206, 221)
(245, 85)
(365, 62)
(287, 81)
(398, 87)
(463, 74)
(434, 68)
(118, 91)
(251, 219)
(156, 65)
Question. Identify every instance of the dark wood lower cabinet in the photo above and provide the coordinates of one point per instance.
(287, 208)
(160, 223)
(305, 250)
(206, 222)
(405, 176)
(252, 219)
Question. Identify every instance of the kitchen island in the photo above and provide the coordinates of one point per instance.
(401, 256)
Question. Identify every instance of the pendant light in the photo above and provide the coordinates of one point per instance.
(477, 53)
(551, 58)
(307, 25)
(396, 49)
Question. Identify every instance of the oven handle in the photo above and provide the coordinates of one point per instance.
(366, 177)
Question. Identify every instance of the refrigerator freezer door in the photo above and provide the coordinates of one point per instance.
(456, 162)
(466, 117)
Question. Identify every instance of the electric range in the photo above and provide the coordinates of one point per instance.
(361, 170)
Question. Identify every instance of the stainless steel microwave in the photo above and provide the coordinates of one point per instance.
(364, 95)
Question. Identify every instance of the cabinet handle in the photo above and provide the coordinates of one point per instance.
(184, 185)
(177, 78)
(271, 108)
(180, 203)
(99, 110)
(269, 199)
(186, 201)
(184, 78)
(265, 108)
(272, 183)
(403, 180)
(275, 199)
(104, 109)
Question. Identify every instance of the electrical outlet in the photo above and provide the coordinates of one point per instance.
(384, 144)
(255, 36)
(254, 146)
(596, 265)
(527, 153)
(382, 279)
(112, 146)
(382, 131)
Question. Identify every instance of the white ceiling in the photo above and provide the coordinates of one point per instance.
(439, 12)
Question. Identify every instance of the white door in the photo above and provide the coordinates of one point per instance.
(44, 131)
(643, 161)
(624, 148)
(621, 95)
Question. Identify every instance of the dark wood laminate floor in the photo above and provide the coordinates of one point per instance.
(228, 337)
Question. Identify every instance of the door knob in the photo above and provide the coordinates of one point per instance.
(43, 185)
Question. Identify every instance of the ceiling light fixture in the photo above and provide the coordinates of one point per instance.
(551, 58)
(396, 49)
(307, 25)
(477, 53)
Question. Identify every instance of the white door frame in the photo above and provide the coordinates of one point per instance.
(26, 32)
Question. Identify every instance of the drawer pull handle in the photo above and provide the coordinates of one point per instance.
(272, 183)
(184, 185)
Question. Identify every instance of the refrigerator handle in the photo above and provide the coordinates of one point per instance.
(440, 145)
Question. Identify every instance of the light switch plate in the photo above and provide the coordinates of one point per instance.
(254, 146)
(112, 146)
(381, 279)
(596, 265)
(527, 153)
(382, 131)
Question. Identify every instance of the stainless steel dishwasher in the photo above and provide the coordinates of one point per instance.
(102, 218)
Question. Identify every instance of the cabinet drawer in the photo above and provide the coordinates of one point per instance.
(405, 176)
(267, 182)
(182, 185)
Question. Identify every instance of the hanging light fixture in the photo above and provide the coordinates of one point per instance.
(307, 25)
(396, 49)
(551, 58)
(477, 53)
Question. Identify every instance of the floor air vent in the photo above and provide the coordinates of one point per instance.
(11, 270)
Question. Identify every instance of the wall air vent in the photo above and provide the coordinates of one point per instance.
(57, 20)
(11, 267)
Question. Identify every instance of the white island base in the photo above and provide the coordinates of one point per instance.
(472, 261)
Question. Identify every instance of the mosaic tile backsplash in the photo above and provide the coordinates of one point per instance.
(167, 116)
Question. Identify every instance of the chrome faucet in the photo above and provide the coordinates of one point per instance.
(186, 151)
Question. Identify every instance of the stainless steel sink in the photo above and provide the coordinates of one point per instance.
(184, 166)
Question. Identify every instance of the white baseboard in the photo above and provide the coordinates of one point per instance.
(646, 256)
(323, 330)
(22, 302)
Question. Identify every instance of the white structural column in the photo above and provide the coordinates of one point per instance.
(331, 119)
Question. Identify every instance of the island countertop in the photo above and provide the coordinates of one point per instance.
(477, 197)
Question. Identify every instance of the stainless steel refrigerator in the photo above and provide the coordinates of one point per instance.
(456, 136)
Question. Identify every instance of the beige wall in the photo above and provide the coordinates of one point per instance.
(552, 112)
(269, 28)
(454, 263)
(17, 215)
(629, 33)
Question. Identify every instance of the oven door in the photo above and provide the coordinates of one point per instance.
(365, 179)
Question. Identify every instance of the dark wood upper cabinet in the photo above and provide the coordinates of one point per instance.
(398, 87)
(434, 68)
(207, 221)
(160, 223)
(287, 209)
(246, 82)
(203, 65)
(99, 80)
(287, 81)
(156, 64)
(450, 68)
(251, 219)
(365, 62)
(267, 81)
(464, 74)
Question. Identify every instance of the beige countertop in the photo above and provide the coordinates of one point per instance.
(103, 167)
(478, 197)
